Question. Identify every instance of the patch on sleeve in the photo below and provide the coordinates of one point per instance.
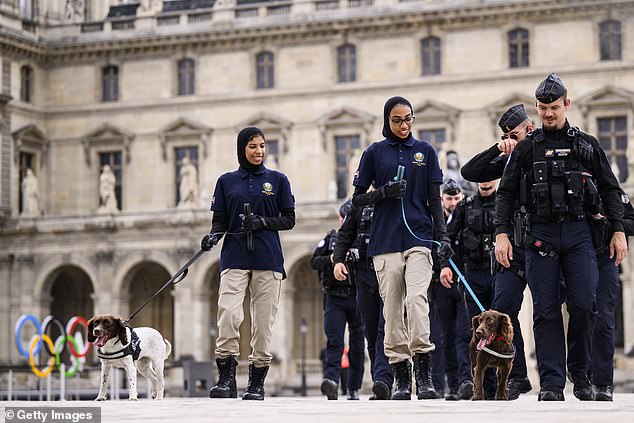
(321, 243)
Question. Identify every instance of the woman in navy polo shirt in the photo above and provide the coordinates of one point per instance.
(401, 258)
(260, 269)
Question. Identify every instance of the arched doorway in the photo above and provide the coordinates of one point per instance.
(213, 285)
(143, 281)
(308, 305)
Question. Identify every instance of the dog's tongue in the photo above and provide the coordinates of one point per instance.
(483, 342)
(101, 340)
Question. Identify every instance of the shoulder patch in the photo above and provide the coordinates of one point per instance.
(321, 243)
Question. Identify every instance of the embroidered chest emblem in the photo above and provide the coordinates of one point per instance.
(419, 159)
(557, 152)
(267, 188)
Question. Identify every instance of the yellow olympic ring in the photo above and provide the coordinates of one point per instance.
(34, 342)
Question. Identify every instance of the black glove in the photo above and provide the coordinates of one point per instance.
(444, 250)
(393, 189)
(208, 241)
(582, 148)
(252, 222)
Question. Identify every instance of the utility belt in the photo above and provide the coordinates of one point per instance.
(558, 218)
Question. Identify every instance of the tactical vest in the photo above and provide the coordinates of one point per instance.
(476, 239)
(561, 187)
(364, 227)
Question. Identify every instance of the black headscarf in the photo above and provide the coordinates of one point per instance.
(244, 136)
(389, 105)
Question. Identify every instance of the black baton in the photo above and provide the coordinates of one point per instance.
(249, 233)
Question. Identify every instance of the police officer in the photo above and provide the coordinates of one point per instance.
(251, 258)
(352, 262)
(509, 284)
(401, 253)
(561, 190)
(448, 304)
(340, 307)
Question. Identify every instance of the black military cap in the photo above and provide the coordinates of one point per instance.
(550, 89)
(513, 117)
(345, 209)
(450, 187)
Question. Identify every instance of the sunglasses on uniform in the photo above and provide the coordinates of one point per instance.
(512, 135)
(398, 121)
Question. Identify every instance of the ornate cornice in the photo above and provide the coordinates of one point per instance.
(406, 17)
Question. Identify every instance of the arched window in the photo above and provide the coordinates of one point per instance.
(431, 55)
(26, 83)
(264, 69)
(610, 40)
(518, 48)
(347, 63)
(186, 77)
(110, 83)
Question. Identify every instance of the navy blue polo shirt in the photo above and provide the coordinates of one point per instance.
(268, 191)
(379, 164)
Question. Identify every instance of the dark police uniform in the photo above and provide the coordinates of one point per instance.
(509, 284)
(560, 194)
(340, 307)
(352, 242)
(448, 306)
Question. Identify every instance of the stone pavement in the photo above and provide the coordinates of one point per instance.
(318, 409)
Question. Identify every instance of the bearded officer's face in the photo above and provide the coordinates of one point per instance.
(553, 115)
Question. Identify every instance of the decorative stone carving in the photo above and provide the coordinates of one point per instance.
(30, 196)
(75, 11)
(188, 185)
(107, 196)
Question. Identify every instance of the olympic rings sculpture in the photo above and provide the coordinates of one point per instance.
(54, 349)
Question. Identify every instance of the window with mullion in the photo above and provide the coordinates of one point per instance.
(610, 40)
(434, 136)
(113, 159)
(613, 139)
(265, 67)
(26, 83)
(110, 83)
(518, 48)
(431, 55)
(345, 146)
(347, 63)
(186, 77)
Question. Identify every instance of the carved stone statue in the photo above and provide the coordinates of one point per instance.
(150, 7)
(188, 185)
(75, 11)
(30, 196)
(107, 196)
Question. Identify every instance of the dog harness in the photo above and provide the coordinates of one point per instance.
(497, 354)
(133, 348)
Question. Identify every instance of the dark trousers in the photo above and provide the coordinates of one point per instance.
(481, 282)
(337, 312)
(608, 293)
(578, 264)
(449, 307)
(437, 356)
(509, 294)
(371, 310)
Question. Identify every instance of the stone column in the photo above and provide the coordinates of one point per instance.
(200, 305)
(184, 333)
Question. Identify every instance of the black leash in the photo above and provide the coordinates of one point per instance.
(182, 272)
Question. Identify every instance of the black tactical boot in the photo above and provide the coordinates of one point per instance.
(329, 389)
(381, 391)
(517, 386)
(226, 386)
(422, 374)
(603, 393)
(582, 388)
(466, 390)
(403, 377)
(453, 395)
(255, 388)
(551, 393)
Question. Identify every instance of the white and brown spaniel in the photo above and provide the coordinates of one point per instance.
(120, 346)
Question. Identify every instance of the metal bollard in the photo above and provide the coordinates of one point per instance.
(62, 382)
(10, 385)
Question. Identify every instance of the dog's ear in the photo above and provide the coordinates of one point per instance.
(506, 328)
(123, 336)
(91, 327)
(475, 322)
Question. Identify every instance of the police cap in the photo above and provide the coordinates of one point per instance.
(513, 117)
(550, 89)
(345, 209)
(450, 187)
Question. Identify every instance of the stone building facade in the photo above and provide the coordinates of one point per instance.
(140, 85)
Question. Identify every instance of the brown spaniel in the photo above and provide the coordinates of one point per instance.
(118, 345)
(491, 346)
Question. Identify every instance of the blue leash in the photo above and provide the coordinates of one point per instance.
(451, 262)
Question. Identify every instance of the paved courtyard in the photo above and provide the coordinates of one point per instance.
(317, 409)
